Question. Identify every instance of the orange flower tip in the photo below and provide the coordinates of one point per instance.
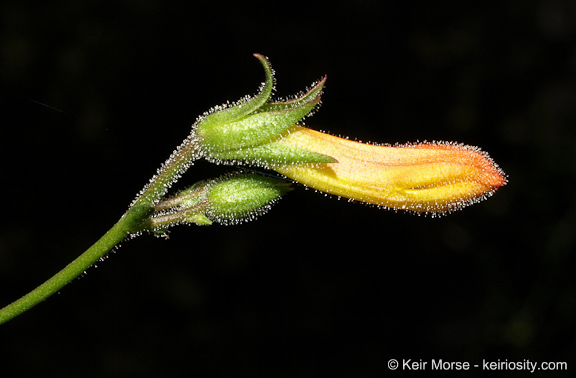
(489, 173)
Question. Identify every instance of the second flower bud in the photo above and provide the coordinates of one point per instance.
(230, 199)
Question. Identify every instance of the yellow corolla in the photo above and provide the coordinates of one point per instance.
(424, 177)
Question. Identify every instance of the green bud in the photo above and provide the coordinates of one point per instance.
(249, 131)
(242, 197)
(229, 199)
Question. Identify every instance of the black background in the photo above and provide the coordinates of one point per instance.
(317, 287)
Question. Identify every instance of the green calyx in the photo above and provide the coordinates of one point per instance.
(209, 128)
(229, 199)
(249, 132)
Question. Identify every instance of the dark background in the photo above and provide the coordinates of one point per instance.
(96, 95)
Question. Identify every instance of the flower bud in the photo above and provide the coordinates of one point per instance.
(243, 197)
(425, 177)
(249, 131)
(230, 199)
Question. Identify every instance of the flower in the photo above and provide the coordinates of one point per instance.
(425, 177)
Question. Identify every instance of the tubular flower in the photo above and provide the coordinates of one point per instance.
(425, 177)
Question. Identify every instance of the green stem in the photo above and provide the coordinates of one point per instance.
(131, 222)
(180, 160)
(136, 219)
